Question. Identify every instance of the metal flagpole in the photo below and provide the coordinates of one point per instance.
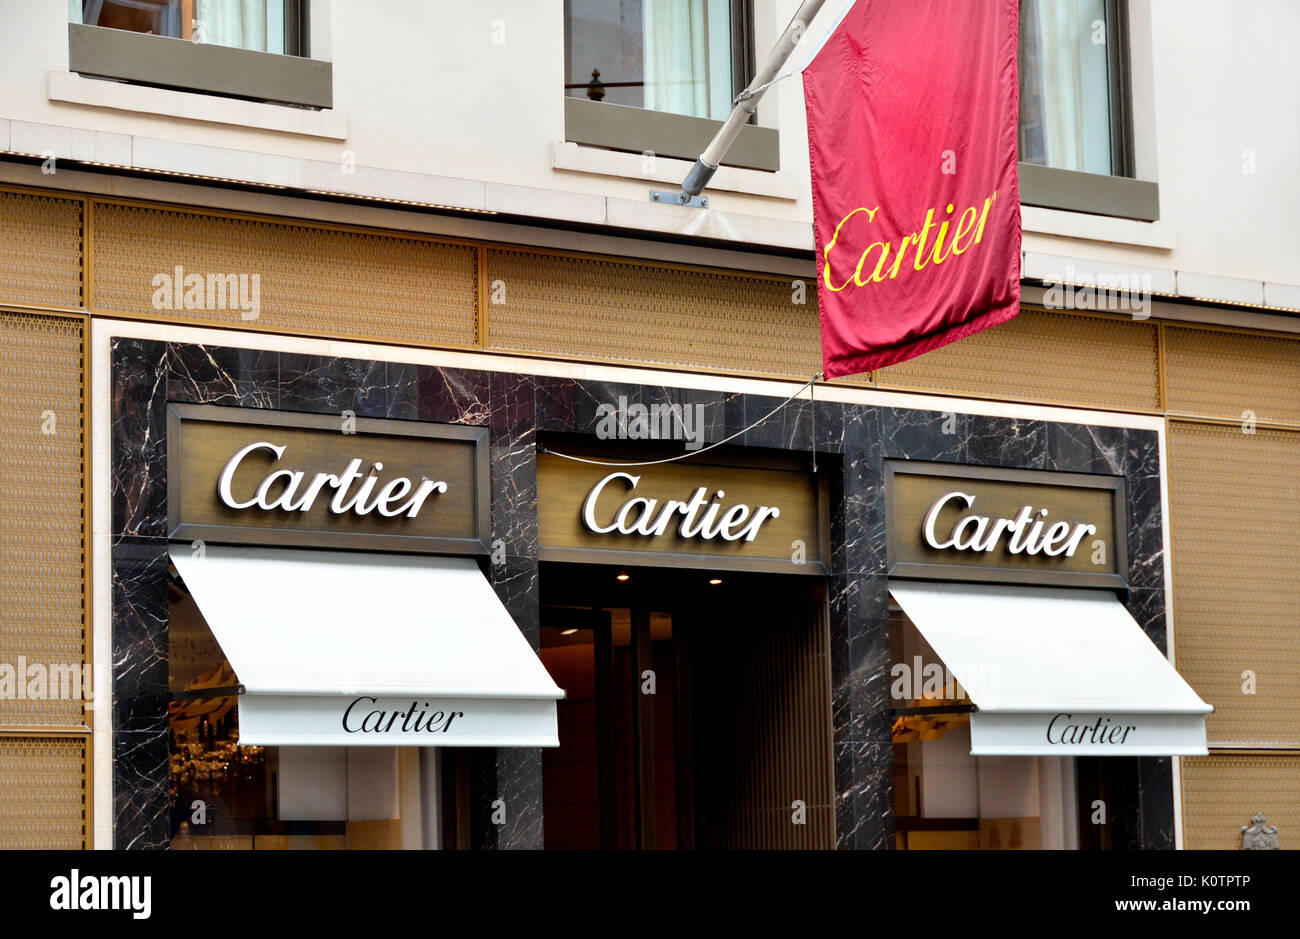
(747, 100)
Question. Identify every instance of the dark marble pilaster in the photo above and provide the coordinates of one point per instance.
(1147, 606)
(861, 709)
(1156, 792)
(869, 658)
(863, 547)
(139, 438)
(1141, 453)
(1146, 557)
(519, 786)
(846, 789)
(840, 591)
(141, 790)
(514, 776)
(516, 584)
(140, 689)
(859, 608)
(513, 449)
(873, 797)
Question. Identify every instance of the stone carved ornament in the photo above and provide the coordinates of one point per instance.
(1259, 836)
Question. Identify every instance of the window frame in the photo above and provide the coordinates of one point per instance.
(1120, 89)
(289, 78)
(1119, 194)
(640, 130)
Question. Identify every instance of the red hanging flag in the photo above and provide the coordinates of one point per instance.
(913, 107)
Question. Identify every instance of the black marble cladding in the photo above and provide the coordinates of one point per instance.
(851, 441)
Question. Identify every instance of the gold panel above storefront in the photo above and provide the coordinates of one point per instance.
(289, 277)
(623, 310)
(1235, 377)
(1049, 356)
(41, 249)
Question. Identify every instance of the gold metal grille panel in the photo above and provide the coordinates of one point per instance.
(1049, 357)
(40, 250)
(769, 705)
(1220, 374)
(42, 591)
(312, 280)
(43, 792)
(1235, 520)
(1222, 792)
(610, 310)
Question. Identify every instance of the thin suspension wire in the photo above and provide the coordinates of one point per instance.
(690, 453)
(750, 92)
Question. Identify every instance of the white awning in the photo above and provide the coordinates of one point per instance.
(350, 649)
(1056, 672)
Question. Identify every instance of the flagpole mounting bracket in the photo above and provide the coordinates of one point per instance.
(668, 197)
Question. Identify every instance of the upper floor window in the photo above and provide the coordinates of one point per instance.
(1073, 86)
(255, 25)
(685, 57)
(250, 49)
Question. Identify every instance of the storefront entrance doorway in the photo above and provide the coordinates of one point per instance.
(697, 712)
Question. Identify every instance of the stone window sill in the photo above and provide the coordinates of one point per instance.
(69, 88)
(570, 157)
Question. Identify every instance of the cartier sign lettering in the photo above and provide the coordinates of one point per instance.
(1030, 532)
(700, 516)
(364, 716)
(283, 489)
(1063, 729)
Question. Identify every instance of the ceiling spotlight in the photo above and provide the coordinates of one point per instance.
(622, 576)
(715, 581)
(568, 632)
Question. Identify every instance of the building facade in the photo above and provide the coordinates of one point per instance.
(420, 218)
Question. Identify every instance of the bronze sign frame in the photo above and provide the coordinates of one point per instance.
(473, 541)
(901, 566)
(814, 526)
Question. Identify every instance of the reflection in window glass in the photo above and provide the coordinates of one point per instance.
(1065, 119)
(226, 795)
(945, 798)
(257, 25)
(664, 55)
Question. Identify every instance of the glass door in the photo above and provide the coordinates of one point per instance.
(620, 779)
